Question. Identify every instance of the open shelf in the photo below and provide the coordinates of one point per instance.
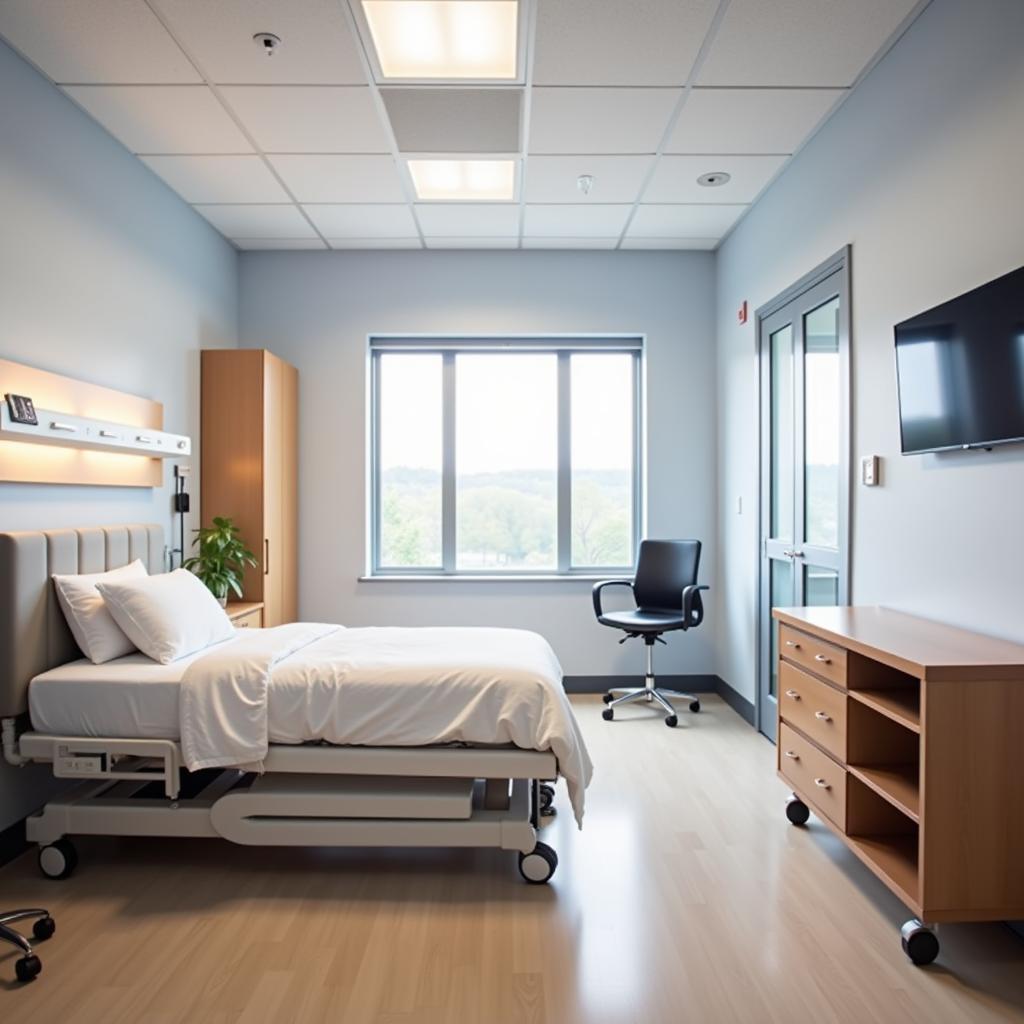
(901, 705)
(897, 783)
(894, 860)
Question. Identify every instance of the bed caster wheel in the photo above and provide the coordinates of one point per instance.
(58, 859)
(608, 714)
(44, 928)
(695, 706)
(797, 811)
(672, 721)
(547, 798)
(921, 944)
(28, 967)
(539, 864)
(608, 698)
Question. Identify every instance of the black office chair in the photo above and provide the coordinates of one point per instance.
(29, 965)
(667, 598)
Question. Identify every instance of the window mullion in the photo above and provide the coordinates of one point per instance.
(448, 463)
(564, 549)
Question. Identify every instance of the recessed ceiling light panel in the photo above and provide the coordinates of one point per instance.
(482, 181)
(439, 39)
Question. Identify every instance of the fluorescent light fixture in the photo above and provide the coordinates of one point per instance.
(444, 38)
(481, 180)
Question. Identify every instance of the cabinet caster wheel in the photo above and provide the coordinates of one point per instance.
(672, 721)
(58, 859)
(539, 864)
(608, 714)
(695, 706)
(28, 967)
(921, 944)
(44, 928)
(608, 698)
(797, 811)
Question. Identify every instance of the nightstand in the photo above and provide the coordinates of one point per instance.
(245, 614)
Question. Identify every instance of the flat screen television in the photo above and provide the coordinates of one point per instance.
(960, 370)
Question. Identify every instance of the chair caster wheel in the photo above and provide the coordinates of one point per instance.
(672, 721)
(797, 811)
(28, 967)
(608, 698)
(58, 859)
(44, 928)
(921, 944)
(539, 864)
(608, 714)
(695, 706)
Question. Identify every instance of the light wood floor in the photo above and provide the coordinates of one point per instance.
(687, 897)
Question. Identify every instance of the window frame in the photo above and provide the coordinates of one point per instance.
(448, 346)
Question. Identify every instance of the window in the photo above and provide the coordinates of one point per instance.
(505, 456)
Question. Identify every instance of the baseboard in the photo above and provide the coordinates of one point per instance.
(743, 707)
(12, 842)
(697, 683)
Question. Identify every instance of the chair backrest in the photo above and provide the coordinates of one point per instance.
(662, 570)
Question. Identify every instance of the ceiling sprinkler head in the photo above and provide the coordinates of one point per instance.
(585, 182)
(267, 43)
(713, 179)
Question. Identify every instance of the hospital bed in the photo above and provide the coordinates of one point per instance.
(132, 779)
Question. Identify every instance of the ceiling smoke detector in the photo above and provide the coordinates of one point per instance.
(713, 179)
(585, 182)
(267, 43)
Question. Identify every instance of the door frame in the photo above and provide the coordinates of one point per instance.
(839, 262)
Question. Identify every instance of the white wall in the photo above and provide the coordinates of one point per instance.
(317, 309)
(107, 276)
(922, 170)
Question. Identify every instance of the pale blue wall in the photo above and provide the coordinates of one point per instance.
(107, 276)
(921, 171)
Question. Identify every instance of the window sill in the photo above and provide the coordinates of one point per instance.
(466, 578)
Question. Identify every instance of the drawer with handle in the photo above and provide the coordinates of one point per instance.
(814, 776)
(817, 656)
(815, 708)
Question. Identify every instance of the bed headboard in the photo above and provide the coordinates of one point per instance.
(33, 634)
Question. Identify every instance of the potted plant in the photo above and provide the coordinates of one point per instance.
(222, 558)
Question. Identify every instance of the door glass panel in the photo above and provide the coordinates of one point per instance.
(781, 354)
(821, 425)
(781, 597)
(821, 586)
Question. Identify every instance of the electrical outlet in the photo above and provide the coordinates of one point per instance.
(869, 470)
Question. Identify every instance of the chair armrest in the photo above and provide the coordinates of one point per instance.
(692, 605)
(598, 587)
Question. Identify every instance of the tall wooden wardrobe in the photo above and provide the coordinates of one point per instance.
(249, 468)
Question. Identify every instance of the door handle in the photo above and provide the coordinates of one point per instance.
(266, 556)
(792, 755)
(823, 716)
(793, 694)
(823, 659)
(792, 554)
(822, 784)
(793, 644)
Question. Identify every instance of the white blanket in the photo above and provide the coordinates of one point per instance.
(380, 687)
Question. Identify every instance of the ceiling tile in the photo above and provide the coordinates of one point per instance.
(700, 220)
(279, 243)
(468, 220)
(219, 179)
(340, 179)
(749, 120)
(162, 118)
(617, 179)
(471, 243)
(799, 42)
(362, 220)
(675, 178)
(669, 243)
(375, 243)
(99, 41)
(576, 221)
(570, 243)
(599, 120)
(454, 120)
(257, 221)
(608, 42)
(317, 47)
(309, 118)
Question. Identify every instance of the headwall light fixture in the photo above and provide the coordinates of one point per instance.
(437, 39)
(714, 178)
(482, 181)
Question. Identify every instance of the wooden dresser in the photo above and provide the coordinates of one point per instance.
(906, 738)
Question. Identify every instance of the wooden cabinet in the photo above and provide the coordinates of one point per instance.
(245, 614)
(249, 467)
(906, 737)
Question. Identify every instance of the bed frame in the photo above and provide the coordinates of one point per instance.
(309, 795)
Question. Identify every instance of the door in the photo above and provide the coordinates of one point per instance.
(803, 347)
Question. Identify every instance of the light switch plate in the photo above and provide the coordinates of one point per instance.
(869, 471)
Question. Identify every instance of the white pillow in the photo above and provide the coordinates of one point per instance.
(96, 633)
(167, 616)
